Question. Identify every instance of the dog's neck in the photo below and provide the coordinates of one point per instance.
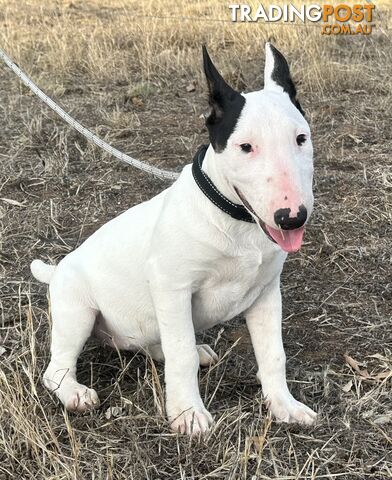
(210, 167)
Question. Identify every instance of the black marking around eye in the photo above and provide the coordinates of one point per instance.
(281, 75)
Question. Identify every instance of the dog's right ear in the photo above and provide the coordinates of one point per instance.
(226, 104)
(277, 74)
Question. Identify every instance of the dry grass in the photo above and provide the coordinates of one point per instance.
(125, 75)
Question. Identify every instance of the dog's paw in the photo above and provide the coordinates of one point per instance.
(207, 356)
(193, 421)
(79, 399)
(286, 409)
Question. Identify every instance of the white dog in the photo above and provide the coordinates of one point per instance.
(201, 252)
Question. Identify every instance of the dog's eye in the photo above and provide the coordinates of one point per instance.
(301, 139)
(246, 147)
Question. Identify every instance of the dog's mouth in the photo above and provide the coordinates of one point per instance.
(288, 240)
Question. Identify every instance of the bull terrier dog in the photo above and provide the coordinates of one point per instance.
(208, 248)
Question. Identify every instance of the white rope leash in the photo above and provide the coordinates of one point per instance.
(157, 172)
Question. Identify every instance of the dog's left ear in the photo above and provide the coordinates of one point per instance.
(226, 105)
(277, 74)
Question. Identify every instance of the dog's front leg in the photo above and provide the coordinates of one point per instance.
(184, 406)
(264, 321)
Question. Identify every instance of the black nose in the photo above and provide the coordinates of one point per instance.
(285, 222)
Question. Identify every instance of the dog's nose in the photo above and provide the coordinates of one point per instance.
(285, 222)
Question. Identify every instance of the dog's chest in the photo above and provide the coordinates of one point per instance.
(231, 285)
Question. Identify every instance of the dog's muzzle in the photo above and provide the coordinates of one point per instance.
(290, 233)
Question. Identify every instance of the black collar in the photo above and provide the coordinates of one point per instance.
(239, 212)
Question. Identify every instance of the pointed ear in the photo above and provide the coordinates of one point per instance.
(226, 104)
(277, 74)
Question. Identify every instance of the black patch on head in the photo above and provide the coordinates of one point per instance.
(281, 75)
(226, 105)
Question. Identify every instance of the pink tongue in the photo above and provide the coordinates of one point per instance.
(288, 240)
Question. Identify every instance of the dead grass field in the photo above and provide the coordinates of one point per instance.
(125, 75)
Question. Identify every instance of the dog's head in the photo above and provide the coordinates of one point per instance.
(263, 149)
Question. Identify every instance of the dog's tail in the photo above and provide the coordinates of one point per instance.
(42, 271)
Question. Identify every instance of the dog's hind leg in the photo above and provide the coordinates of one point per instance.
(207, 356)
(73, 320)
